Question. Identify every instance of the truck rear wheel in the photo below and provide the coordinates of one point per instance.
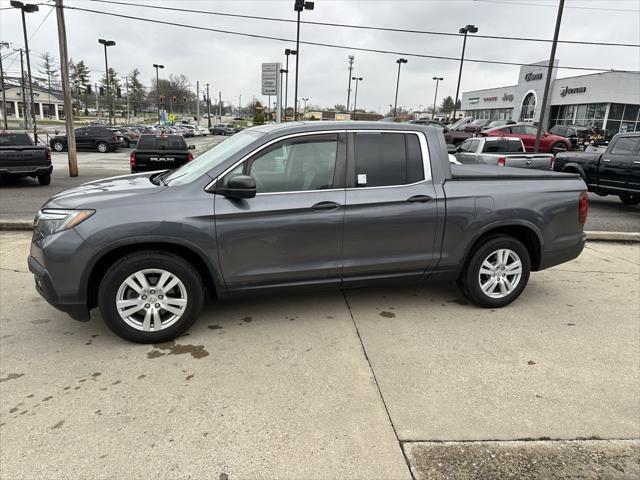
(629, 199)
(497, 272)
(44, 179)
(150, 296)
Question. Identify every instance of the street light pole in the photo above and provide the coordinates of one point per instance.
(351, 57)
(467, 29)
(399, 61)
(107, 43)
(157, 66)
(298, 6)
(279, 100)
(287, 52)
(305, 104)
(355, 98)
(435, 96)
(28, 8)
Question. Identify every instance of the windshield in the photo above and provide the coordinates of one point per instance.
(208, 160)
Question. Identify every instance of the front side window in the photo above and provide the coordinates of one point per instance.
(464, 146)
(387, 159)
(295, 165)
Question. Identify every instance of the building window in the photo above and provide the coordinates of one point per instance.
(623, 118)
(528, 110)
(589, 115)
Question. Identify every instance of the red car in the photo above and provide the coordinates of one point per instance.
(549, 143)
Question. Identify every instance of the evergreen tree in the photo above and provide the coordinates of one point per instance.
(447, 105)
(136, 92)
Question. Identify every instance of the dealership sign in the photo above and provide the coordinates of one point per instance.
(490, 99)
(474, 100)
(529, 77)
(507, 97)
(568, 91)
(270, 78)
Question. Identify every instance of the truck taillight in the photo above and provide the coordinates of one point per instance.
(189, 156)
(114, 137)
(502, 161)
(48, 155)
(583, 208)
(132, 160)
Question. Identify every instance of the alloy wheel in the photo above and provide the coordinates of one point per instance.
(500, 273)
(151, 300)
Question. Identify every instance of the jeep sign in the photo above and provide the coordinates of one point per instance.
(529, 77)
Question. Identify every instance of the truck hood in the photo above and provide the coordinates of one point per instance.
(91, 194)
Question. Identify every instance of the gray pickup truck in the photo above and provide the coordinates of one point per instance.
(20, 157)
(502, 152)
(292, 206)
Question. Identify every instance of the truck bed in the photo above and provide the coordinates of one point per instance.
(490, 172)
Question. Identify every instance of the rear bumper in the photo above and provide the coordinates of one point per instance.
(568, 252)
(44, 286)
(23, 171)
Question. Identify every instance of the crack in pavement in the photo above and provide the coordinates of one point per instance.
(375, 380)
(13, 270)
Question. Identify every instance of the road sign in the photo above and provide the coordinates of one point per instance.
(270, 78)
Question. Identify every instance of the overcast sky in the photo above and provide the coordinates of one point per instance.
(231, 63)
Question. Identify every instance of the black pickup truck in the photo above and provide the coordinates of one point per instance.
(19, 157)
(160, 152)
(610, 170)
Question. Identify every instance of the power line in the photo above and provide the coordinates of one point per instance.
(364, 27)
(328, 45)
(577, 7)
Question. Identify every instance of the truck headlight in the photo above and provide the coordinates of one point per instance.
(53, 220)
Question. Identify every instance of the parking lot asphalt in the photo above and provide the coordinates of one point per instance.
(374, 383)
(20, 199)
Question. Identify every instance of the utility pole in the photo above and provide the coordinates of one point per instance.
(4, 97)
(24, 93)
(107, 43)
(219, 106)
(198, 102)
(355, 98)
(156, 66)
(547, 81)
(28, 8)
(126, 85)
(400, 61)
(351, 57)
(66, 91)
(208, 108)
(95, 86)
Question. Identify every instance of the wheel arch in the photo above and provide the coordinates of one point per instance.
(190, 253)
(574, 168)
(523, 231)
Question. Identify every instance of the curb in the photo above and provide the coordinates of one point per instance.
(27, 225)
(613, 236)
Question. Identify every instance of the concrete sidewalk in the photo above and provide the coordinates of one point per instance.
(362, 385)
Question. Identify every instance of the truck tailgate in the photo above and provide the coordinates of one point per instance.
(535, 162)
(161, 159)
(18, 157)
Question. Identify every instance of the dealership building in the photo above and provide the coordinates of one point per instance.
(608, 100)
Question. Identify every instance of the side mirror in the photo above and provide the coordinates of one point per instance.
(240, 186)
(192, 147)
(452, 149)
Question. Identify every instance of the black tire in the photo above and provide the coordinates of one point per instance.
(150, 259)
(558, 147)
(102, 147)
(58, 146)
(629, 199)
(44, 179)
(469, 280)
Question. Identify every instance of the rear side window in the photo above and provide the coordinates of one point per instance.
(626, 145)
(502, 146)
(386, 159)
(13, 139)
(171, 142)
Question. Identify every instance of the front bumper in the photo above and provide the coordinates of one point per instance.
(44, 286)
(24, 171)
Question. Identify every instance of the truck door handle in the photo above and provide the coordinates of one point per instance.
(606, 160)
(420, 199)
(636, 162)
(325, 206)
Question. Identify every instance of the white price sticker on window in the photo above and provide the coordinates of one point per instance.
(362, 179)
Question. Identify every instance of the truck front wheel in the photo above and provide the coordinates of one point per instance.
(497, 272)
(150, 296)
